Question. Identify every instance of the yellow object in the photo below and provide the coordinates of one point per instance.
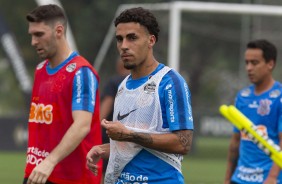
(244, 124)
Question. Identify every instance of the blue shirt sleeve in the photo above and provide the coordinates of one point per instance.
(280, 117)
(175, 98)
(85, 86)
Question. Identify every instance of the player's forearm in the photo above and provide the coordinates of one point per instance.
(232, 159)
(275, 169)
(178, 142)
(233, 155)
(72, 138)
(106, 149)
(229, 171)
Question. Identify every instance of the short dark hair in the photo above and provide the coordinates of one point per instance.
(141, 16)
(47, 13)
(269, 50)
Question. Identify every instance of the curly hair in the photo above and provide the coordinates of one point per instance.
(142, 16)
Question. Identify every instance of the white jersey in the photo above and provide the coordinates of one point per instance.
(139, 109)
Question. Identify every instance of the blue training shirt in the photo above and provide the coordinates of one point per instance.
(176, 116)
(265, 111)
(85, 85)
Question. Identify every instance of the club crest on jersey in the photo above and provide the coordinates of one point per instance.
(150, 87)
(40, 65)
(264, 107)
(274, 94)
(245, 92)
(71, 67)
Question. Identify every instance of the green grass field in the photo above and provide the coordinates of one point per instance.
(11, 167)
(205, 165)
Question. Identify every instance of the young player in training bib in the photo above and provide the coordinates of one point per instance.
(153, 125)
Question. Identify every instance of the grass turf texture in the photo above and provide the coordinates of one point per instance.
(205, 165)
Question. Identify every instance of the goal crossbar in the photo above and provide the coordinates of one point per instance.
(175, 9)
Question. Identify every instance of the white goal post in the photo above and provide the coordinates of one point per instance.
(175, 9)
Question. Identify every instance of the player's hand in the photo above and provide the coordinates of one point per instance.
(270, 180)
(92, 158)
(41, 172)
(116, 130)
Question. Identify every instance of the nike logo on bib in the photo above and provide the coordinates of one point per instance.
(120, 117)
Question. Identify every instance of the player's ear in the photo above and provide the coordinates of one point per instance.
(152, 41)
(60, 30)
(271, 64)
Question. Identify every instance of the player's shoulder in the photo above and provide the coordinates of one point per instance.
(276, 90)
(174, 80)
(80, 60)
(246, 91)
(41, 65)
(278, 85)
(173, 76)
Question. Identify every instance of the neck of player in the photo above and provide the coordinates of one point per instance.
(63, 52)
(144, 69)
(264, 86)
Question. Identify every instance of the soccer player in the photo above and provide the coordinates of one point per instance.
(153, 125)
(64, 120)
(261, 102)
